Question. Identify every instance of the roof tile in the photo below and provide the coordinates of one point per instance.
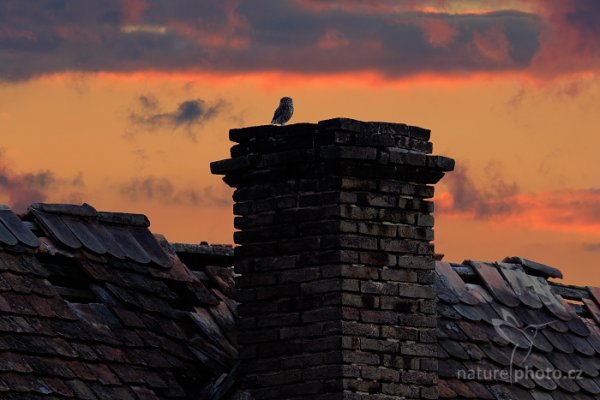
(55, 227)
(496, 284)
(85, 235)
(521, 284)
(17, 229)
(456, 284)
(550, 300)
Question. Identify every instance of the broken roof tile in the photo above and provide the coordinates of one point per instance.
(595, 292)
(496, 284)
(127, 219)
(455, 283)
(593, 309)
(444, 289)
(550, 300)
(521, 284)
(535, 268)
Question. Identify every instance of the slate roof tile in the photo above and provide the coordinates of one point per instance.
(496, 284)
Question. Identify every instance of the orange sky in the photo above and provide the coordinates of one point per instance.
(525, 138)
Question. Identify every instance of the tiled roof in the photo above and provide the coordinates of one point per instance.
(94, 306)
(506, 332)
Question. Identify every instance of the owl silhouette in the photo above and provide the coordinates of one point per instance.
(284, 112)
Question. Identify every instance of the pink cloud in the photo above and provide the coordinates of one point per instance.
(493, 44)
(500, 201)
(571, 39)
(133, 9)
(437, 31)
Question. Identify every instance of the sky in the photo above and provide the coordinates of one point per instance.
(123, 104)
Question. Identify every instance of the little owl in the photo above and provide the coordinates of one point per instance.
(284, 111)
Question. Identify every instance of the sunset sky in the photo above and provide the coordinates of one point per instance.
(123, 103)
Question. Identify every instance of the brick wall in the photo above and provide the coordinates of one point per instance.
(336, 261)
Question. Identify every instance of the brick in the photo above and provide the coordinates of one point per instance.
(377, 229)
(398, 245)
(379, 374)
(416, 349)
(297, 275)
(398, 304)
(359, 272)
(376, 200)
(360, 329)
(322, 314)
(400, 333)
(355, 212)
(430, 392)
(379, 346)
(357, 184)
(360, 300)
(428, 321)
(378, 258)
(322, 286)
(397, 389)
(383, 288)
(428, 364)
(416, 262)
(419, 377)
(399, 275)
(414, 290)
(361, 357)
(348, 152)
(378, 317)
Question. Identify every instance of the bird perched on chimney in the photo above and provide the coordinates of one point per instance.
(284, 111)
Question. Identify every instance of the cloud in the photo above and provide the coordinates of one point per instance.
(165, 191)
(20, 189)
(188, 114)
(394, 39)
(233, 36)
(465, 196)
(591, 247)
(500, 201)
(571, 38)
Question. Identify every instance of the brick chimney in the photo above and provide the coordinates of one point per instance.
(335, 259)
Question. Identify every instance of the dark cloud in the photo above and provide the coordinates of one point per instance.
(189, 114)
(571, 38)
(42, 37)
(20, 189)
(493, 197)
(591, 246)
(165, 191)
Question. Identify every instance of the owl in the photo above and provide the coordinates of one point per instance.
(284, 111)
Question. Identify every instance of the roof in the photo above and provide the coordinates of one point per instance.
(94, 306)
(506, 332)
